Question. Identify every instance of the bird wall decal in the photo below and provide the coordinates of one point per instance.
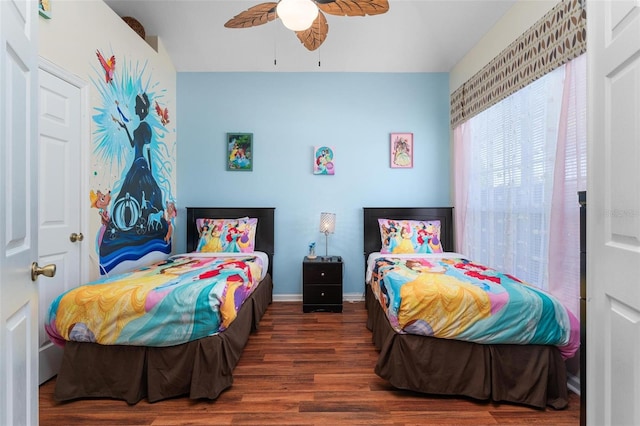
(109, 66)
(316, 34)
(163, 113)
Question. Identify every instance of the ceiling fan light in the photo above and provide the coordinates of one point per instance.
(297, 15)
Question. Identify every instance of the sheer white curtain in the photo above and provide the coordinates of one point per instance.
(570, 177)
(507, 181)
(461, 160)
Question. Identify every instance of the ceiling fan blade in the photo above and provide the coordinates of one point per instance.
(353, 7)
(316, 34)
(254, 16)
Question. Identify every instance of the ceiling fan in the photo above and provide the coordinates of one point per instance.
(310, 35)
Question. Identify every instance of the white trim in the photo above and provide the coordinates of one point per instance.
(353, 297)
(573, 383)
(85, 143)
(287, 297)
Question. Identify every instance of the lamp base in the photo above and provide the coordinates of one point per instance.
(330, 258)
(322, 258)
(326, 244)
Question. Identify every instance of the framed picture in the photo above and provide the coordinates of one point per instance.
(323, 161)
(44, 7)
(401, 153)
(240, 151)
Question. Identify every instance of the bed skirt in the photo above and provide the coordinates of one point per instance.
(533, 375)
(200, 369)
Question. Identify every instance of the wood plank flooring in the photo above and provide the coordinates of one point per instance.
(305, 369)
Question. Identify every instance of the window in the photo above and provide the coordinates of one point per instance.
(525, 160)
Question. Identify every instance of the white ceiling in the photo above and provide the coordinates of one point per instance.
(413, 36)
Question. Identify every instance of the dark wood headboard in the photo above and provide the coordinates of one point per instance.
(264, 231)
(372, 242)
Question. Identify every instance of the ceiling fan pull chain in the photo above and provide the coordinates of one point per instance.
(316, 28)
(275, 46)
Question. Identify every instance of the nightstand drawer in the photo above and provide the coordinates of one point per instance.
(322, 294)
(322, 273)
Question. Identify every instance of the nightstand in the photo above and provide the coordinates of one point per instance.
(322, 284)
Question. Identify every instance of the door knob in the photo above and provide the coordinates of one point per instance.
(47, 271)
(76, 237)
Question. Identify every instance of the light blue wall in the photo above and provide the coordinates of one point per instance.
(289, 114)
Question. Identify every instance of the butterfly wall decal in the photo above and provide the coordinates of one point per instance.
(315, 35)
(109, 66)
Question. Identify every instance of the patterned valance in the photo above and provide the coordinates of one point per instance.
(555, 39)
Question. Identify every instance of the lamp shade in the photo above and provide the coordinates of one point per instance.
(297, 15)
(327, 223)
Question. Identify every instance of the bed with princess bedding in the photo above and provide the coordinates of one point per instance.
(175, 327)
(447, 325)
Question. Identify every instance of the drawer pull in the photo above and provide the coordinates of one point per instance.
(322, 274)
(322, 294)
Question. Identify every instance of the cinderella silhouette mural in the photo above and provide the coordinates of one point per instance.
(133, 171)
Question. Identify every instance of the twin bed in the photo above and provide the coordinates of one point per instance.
(199, 368)
(529, 374)
(523, 373)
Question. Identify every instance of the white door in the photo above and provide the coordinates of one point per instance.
(613, 213)
(18, 212)
(60, 232)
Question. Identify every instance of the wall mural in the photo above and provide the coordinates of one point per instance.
(133, 165)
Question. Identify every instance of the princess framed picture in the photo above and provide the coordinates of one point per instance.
(401, 153)
(44, 7)
(239, 151)
(323, 161)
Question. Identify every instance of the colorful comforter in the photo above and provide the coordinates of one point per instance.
(181, 299)
(455, 298)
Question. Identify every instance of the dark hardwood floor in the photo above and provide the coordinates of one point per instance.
(305, 369)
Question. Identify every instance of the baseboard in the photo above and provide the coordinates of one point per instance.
(353, 297)
(573, 383)
(287, 298)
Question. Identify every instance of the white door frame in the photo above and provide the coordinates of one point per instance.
(50, 356)
(85, 144)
